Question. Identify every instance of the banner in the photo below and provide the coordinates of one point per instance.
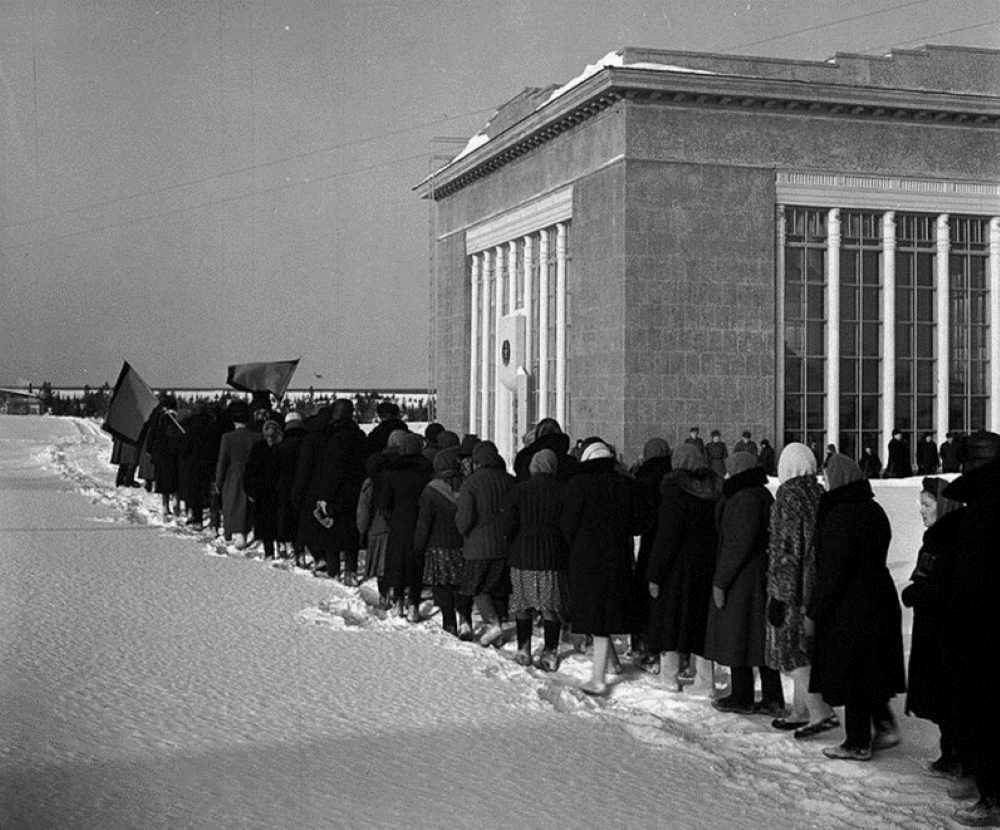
(262, 377)
(132, 402)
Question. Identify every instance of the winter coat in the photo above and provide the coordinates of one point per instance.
(164, 445)
(735, 635)
(978, 448)
(602, 512)
(858, 646)
(682, 561)
(195, 457)
(950, 460)
(898, 465)
(288, 450)
(971, 629)
(532, 511)
(716, 455)
(871, 465)
(261, 487)
(791, 570)
(928, 593)
(746, 446)
(927, 458)
(341, 474)
(436, 526)
(558, 442)
(649, 476)
(230, 471)
(398, 491)
(124, 454)
(768, 460)
(378, 438)
(480, 512)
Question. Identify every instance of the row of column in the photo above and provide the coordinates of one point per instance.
(943, 293)
(485, 352)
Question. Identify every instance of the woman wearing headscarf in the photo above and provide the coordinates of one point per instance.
(649, 474)
(858, 645)
(791, 575)
(682, 562)
(261, 484)
(538, 557)
(234, 451)
(437, 541)
(485, 573)
(603, 511)
(398, 492)
(928, 695)
(547, 435)
(735, 634)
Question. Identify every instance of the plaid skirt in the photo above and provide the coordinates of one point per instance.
(485, 576)
(541, 590)
(443, 566)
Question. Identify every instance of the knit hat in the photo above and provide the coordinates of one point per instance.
(655, 448)
(740, 462)
(485, 454)
(841, 470)
(447, 460)
(447, 439)
(689, 457)
(396, 440)
(543, 461)
(293, 418)
(468, 445)
(596, 450)
(410, 444)
(796, 460)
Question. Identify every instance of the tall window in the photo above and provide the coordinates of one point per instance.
(969, 335)
(860, 331)
(805, 326)
(915, 325)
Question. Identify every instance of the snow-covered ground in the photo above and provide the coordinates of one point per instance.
(654, 758)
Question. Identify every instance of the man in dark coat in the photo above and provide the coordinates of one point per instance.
(342, 472)
(950, 462)
(548, 436)
(195, 464)
(164, 444)
(288, 456)
(746, 444)
(858, 657)
(927, 456)
(716, 454)
(307, 488)
(972, 635)
(389, 421)
(736, 631)
(695, 438)
(978, 448)
(898, 464)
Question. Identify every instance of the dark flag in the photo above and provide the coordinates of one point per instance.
(262, 377)
(132, 402)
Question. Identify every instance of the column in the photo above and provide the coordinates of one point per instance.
(485, 352)
(833, 327)
(888, 421)
(995, 324)
(779, 334)
(499, 390)
(543, 325)
(561, 324)
(529, 252)
(511, 276)
(474, 361)
(943, 295)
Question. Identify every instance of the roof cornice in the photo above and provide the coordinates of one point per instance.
(657, 87)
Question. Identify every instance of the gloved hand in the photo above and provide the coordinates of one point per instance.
(776, 611)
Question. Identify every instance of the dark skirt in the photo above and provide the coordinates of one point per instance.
(375, 562)
(485, 576)
(539, 590)
(443, 566)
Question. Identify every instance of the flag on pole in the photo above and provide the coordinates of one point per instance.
(131, 405)
(262, 377)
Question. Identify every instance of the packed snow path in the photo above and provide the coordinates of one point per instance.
(148, 682)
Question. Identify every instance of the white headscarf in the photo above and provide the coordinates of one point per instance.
(796, 460)
(597, 450)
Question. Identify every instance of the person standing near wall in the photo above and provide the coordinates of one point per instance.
(716, 454)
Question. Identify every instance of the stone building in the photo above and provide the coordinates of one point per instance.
(809, 250)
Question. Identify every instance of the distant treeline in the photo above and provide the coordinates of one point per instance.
(93, 403)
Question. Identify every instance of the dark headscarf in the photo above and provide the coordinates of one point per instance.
(544, 461)
(841, 470)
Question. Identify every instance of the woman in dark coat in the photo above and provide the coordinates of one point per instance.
(791, 577)
(928, 695)
(858, 645)
(230, 471)
(437, 541)
(767, 458)
(164, 444)
(261, 485)
(735, 634)
(927, 456)
(195, 464)
(485, 572)
(603, 511)
(538, 557)
(399, 489)
(548, 435)
(681, 564)
(287, 513)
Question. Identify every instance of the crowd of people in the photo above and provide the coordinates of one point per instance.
(725, 573)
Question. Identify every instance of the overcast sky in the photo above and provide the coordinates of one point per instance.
(190, 183)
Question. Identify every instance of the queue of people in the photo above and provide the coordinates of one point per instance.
(725, 573)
